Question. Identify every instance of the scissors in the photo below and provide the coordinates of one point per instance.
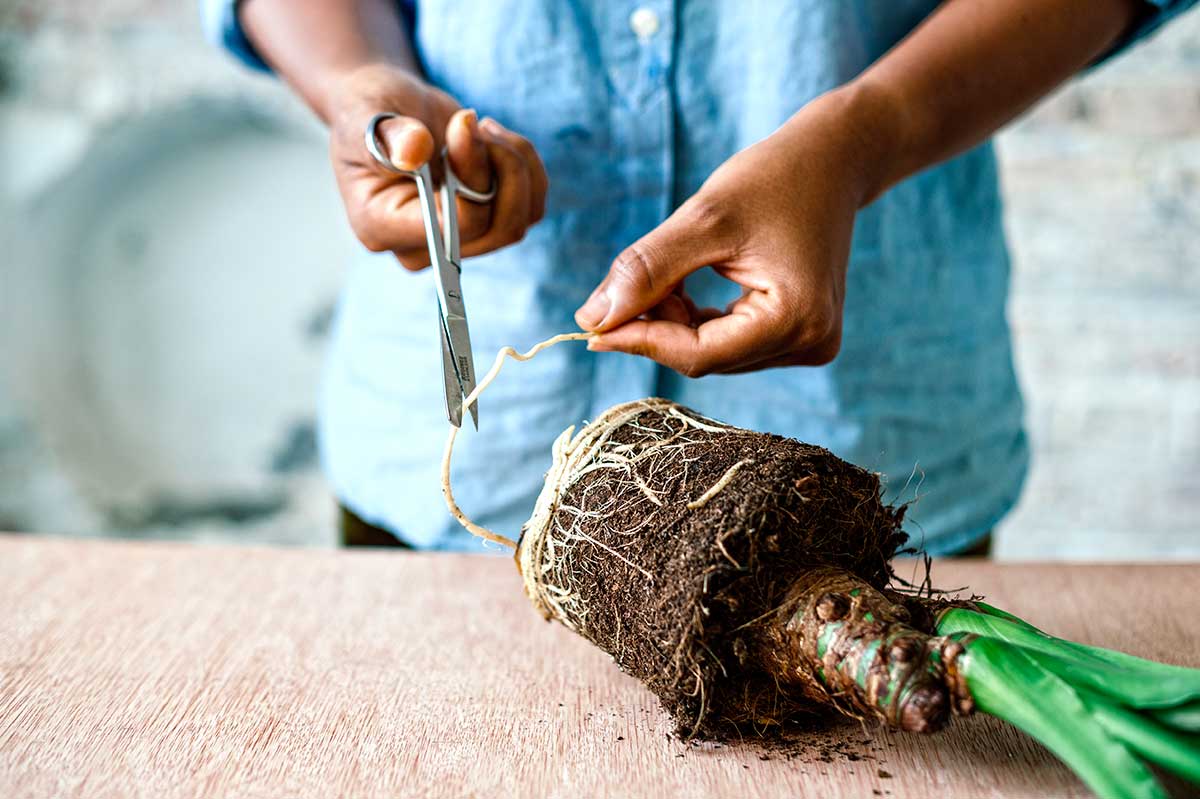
(458, 368)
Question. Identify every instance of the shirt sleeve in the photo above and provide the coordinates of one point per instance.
(219, 20)
(1154, 14)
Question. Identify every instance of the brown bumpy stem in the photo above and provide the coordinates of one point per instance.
(840, 640)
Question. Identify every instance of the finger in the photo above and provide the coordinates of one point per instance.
(679, 307)
(407, 143)
(751, 338)
(715, 346)
(413, 260)
(696, 235)
(702, 315)
(468, 156)
(539, 183)
(510, 208)
(696, 314)
(540, 186)
(813, 356)
(779, 362)
(690, 304)
(672, 309)
(385, 214)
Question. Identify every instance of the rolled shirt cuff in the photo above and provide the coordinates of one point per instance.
(219, 19)
(1152, 16)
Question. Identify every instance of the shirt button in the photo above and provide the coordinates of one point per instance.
(644, 23)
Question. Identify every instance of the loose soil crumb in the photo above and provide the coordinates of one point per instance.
(805, 744)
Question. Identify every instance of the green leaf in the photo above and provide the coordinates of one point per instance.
(1111, 655)
(992, 610)
(1008, 683)
(1133, 681)
(1153, 741)
(1184, 718)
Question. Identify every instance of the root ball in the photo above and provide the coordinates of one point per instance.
(666, 539)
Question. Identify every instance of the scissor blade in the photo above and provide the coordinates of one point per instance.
(448, 300)
(456, 341)
(453, 389)
(459, 344)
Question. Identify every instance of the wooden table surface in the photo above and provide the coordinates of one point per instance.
(166, 670)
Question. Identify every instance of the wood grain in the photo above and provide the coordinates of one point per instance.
(164, 671)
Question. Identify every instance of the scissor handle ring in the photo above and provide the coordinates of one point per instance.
(375, 149)
(375, 145)
(468, 193)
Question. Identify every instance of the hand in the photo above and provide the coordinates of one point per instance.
(777, 220)
(383, 207)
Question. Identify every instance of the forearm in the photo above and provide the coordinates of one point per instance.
(971, 67)
(314, 44)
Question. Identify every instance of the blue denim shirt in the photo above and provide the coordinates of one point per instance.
(630, 119)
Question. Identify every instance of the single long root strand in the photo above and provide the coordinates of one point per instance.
(472, 398)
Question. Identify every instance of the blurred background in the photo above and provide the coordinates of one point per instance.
(171, 245)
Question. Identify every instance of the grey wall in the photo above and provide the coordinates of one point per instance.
(183, 436)
(1103, 189)
(171, 247)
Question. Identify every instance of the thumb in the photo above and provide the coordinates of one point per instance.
(649, 269)
(407, 142)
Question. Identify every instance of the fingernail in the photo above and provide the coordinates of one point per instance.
(471, 119)
(491, 125)
(596, 345)
(594, 310)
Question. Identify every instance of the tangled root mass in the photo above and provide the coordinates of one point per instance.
(669, 540)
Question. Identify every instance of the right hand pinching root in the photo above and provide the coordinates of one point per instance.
(383, 207)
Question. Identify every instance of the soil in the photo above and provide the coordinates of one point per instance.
(673, 592)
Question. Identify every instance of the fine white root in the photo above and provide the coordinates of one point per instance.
(717, 488)
(471, 399)
(656, 458)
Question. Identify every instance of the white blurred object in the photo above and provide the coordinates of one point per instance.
(167, 294)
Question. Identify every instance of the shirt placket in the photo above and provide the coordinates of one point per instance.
(640, 45)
